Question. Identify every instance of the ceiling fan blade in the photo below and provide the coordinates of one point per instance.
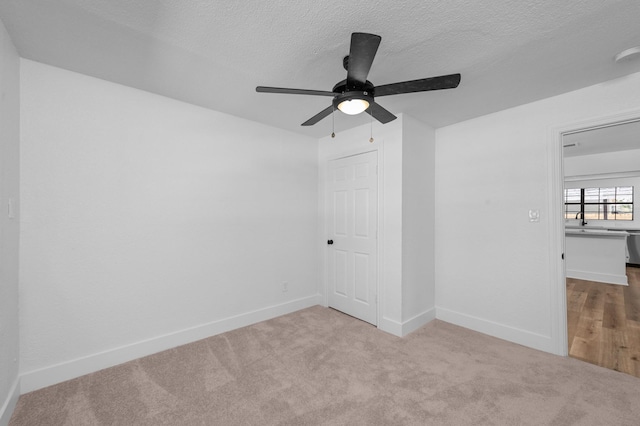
(450, 81)
(319, 116)
(361, 54)
(379, 113)
(263, 89)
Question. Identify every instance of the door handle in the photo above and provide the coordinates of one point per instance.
(330, 242)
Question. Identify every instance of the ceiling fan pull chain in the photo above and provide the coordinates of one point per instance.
(333, 122)
(371, 138)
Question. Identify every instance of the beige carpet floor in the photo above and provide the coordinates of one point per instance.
(320, 367)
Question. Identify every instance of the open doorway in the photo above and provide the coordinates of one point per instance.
(601, 211)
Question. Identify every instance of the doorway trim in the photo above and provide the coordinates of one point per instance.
(558, 290)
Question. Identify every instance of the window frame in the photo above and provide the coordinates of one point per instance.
(602, 206)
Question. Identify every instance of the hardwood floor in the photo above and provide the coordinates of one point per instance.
(604, 323)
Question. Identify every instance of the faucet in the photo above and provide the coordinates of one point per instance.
(581, 214)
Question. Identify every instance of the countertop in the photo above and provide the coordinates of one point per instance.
(601, 232)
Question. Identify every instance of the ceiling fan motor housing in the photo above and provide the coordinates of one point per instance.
(342, 87)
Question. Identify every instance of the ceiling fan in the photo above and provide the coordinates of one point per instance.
(356, 94)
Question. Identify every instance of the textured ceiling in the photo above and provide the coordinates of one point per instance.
(214, 53)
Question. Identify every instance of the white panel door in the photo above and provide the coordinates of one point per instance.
(352, 222)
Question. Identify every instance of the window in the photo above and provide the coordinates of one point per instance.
(614, 203)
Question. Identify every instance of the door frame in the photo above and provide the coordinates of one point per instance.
(558, 293)
(379, 227)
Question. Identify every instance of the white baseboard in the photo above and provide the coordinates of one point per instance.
(10, 403)
(501, 331)
(402, 329)
(418, 321)
(37, 379)
(390, 326)
(598, 277)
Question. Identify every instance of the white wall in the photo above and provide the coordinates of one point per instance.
(418, 221)
(9, 229)
(494, 273)
(405, 219)
(148, 223)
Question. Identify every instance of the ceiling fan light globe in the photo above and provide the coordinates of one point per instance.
(353, 106)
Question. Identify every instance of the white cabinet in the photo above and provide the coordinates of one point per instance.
(596, 255)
